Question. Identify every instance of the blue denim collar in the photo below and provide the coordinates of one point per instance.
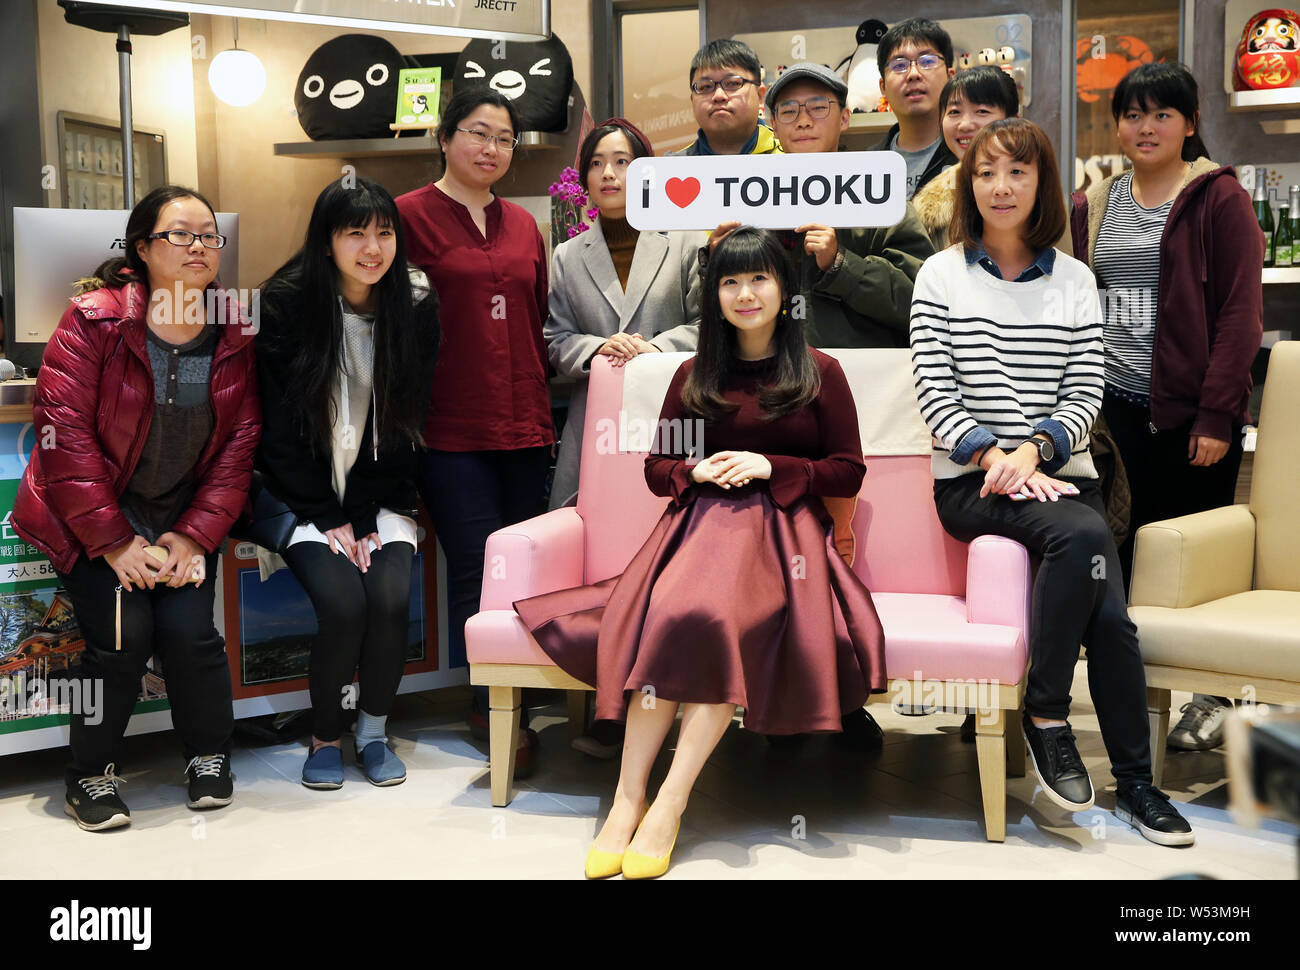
(1041, 266)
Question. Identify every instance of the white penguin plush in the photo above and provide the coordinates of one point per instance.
(859, 69)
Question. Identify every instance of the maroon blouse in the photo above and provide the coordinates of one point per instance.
(489, 388)
(814, 451)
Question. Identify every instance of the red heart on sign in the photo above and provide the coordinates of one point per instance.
(682, 192)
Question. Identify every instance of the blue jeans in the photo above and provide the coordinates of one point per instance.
(469, 495)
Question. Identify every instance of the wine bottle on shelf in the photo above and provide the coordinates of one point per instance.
(1295, 225)
(1264, 213)
(1283, 240)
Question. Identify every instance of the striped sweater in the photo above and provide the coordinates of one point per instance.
(997, 362)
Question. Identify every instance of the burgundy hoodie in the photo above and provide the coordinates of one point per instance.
(1210, 302)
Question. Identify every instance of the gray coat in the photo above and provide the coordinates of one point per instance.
(588, 306)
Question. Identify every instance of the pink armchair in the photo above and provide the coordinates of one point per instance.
(955, 616)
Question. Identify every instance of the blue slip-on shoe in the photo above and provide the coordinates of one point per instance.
(381, 766)
(323, 768)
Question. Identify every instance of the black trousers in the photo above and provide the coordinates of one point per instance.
(174, 623)
(1163, 482)
(361, 621)
(469, 495)
(1078, 598)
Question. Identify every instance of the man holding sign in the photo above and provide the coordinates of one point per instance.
(856, 282)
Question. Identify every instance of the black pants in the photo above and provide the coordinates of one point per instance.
(361, 620)
(1162, 480)
(174, 623)
(1078, 598)
(469, 495)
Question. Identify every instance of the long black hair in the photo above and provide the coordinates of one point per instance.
(129, 267)
(304, 293)
(1165, 84)
(797, 381)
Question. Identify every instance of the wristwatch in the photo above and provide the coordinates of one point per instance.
(1046, 450)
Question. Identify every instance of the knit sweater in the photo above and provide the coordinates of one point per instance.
(997, 362)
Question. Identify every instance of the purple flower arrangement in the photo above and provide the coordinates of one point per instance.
(569, 206)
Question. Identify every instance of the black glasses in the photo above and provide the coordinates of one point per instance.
(818, 107)
(506, 143)
(183, 237)
(926, 62)
(732, 85)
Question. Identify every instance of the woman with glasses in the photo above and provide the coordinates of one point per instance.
(489, 431)
(147, 415)
(346, 350)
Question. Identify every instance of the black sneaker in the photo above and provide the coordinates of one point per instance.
(1148, 809)
(94, 802)
(211, 783)
(861, 732)
(1058, 765)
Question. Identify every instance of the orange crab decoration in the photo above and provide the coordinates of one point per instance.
(1268, 55)
(1096, 77)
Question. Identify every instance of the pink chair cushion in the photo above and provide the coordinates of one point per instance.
(500, 637)
(930, 634)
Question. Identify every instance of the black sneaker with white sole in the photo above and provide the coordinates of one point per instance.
(1058, 765)
(211, 783)
(95, 804)
(1148, 809)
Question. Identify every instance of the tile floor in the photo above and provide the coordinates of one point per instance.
(911, 811)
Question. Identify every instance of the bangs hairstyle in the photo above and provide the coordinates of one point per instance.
(590, 143)
(921, 32)
(1163, 85)
(745, 251)
(725, 52)
(1025, 142)
(982, 85)
(305, 292)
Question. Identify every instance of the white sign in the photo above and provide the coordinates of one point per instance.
(505, 19)
(837, 189)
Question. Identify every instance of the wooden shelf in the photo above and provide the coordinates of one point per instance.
(393, 147)
(1282, 274)
(1273, 99)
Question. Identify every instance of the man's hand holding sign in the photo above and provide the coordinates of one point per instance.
(814, 192)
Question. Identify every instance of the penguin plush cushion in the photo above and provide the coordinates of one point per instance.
(348, 88)
(537, 76)
(859, 69)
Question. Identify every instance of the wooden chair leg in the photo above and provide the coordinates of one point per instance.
(505, 705)
(1015, 745)
(577, 712)
(991, 750)
(1158, 717)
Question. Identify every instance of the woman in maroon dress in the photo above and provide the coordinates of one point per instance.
(738, 597)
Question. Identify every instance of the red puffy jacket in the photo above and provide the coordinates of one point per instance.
(92, 412)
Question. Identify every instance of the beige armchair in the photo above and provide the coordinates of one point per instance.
(1216, 595)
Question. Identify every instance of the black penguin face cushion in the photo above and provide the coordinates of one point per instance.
(348, 88)
(871, 31)
(536, 76)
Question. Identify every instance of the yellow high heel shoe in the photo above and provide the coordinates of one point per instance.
(601, 864)
(638, 866)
